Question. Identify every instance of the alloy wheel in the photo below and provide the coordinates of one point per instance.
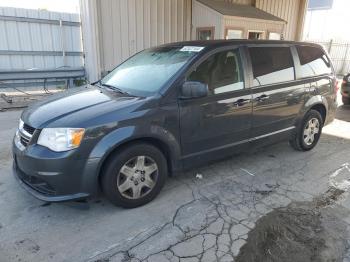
(311, 130)
(137, 177)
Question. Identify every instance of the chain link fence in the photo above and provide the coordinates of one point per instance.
(340, 54)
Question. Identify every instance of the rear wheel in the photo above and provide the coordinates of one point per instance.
(308, 134)
(346, 100)
(135, 175)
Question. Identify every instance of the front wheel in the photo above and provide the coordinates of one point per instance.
(308, 134)
(135, 175)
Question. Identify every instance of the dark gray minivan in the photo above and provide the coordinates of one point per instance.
(169, 108)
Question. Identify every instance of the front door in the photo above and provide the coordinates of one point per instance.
(221, 120)
(277, 97)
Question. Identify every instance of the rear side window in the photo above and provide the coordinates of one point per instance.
(221, 71)
(271, 65)
(313, 61)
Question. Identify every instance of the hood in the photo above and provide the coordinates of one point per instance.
(75, 107)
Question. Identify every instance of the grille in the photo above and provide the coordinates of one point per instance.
(24, 140)
(26, 134)
(29, 129)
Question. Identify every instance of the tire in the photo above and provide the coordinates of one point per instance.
(346, 100)
(126, 183)
(302, 141)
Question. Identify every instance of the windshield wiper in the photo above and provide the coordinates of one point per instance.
(114, 88)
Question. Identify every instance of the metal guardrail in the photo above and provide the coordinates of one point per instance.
(38, 20)
(64, 73)
(41, 53)
(67, 74)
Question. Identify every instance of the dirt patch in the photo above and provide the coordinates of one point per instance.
(329, 197)
(302, 231)
(28, 245)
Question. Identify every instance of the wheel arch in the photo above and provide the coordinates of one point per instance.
(165, 148)
(321, 109)
(158, 143)
(318, 103)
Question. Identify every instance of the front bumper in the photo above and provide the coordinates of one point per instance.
(54, 177)
(37, 193)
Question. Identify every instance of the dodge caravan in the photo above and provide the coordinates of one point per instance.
(170, 108)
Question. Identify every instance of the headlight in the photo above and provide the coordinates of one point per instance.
(61, 139)
(348, 79)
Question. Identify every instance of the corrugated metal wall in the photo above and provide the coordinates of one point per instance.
(288, 10)
(203, 16)
(128, 26)
(115, 29)
(41, 40)
(90, 33)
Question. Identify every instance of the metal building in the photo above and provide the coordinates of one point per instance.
(113, 30)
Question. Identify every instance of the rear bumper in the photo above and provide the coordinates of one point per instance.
(331, 110)
(54, 177)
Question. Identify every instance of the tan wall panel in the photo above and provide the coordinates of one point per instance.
(204, 16)
(128, 26)
(288, 10)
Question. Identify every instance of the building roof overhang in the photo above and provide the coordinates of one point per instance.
(239, 10)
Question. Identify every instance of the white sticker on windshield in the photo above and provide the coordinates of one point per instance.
(192, 49)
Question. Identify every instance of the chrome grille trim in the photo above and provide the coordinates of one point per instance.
(25, 136)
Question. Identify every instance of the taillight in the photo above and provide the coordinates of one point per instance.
(336, 86)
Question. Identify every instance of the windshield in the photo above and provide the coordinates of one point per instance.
(145, 73)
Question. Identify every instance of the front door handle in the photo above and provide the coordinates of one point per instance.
(241, 102)
(261, 98)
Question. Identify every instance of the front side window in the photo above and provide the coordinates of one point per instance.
(271, 65)
(313, 61)
(146, 73)
(221, 71)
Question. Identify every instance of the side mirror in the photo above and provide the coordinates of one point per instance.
(193, 89)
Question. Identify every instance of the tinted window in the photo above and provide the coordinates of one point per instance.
(221, 71)
(271, 65)
(313, 61)
(146, 72)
